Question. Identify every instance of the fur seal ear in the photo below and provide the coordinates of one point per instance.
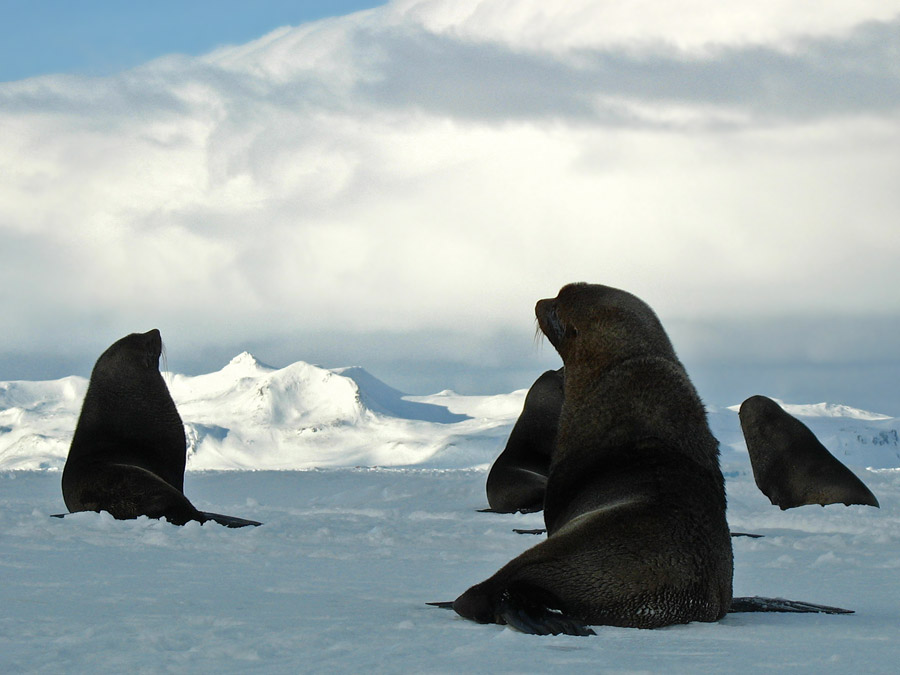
(791, 467)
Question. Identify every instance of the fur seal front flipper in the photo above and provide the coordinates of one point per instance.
(128, 452)
(790, 466)
(635, 499)
(518, 477)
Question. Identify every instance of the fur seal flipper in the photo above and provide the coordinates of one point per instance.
(525, 621)
(128, 452)
(528, 610)
(790, 466)
(758, 604)
(541, 530)
(518, 477)
(635, 500)
(228, 521)
(206, 517)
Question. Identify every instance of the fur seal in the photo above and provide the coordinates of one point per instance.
(791, 467)
(635, 499)
(518, 477)
(128, 453)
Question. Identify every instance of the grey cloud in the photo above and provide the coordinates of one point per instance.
(492, 82)
(851, 359)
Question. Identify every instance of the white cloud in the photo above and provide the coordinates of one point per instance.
(688, 24)
(439, 166)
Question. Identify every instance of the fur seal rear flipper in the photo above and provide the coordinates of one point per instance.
(790, 466)
(128, 453)
(518, 478)
(756, 603)
(228, 521)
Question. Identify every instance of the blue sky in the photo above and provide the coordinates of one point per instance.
(100, 37)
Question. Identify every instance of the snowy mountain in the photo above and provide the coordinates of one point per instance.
(251, 416)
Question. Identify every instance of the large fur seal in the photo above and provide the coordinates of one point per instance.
(635, 499)
(128, 453)
(791, 467)
(518, 477)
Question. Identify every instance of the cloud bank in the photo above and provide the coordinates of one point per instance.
(429, 169)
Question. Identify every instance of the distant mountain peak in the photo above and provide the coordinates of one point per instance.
(245, 361)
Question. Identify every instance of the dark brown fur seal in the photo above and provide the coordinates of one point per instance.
(635, 499)
(128, 453)
(791, 467)
(518, 477)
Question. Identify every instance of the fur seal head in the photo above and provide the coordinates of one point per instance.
(597, 326)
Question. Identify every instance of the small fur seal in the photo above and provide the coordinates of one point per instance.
(518, 477)
(635, 498)
(128, 453)
(791, 467)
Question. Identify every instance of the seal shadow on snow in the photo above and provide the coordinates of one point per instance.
(381, 398)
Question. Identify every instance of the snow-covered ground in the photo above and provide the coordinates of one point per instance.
(381, 519)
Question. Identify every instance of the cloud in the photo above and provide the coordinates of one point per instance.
(692, 25)
(608, 85)
(433, 168)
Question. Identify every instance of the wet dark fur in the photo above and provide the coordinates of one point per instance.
(791, 467)
(128, 453)
(635, 500)
(518, 477)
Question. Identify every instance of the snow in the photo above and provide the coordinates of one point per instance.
(377, 516)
